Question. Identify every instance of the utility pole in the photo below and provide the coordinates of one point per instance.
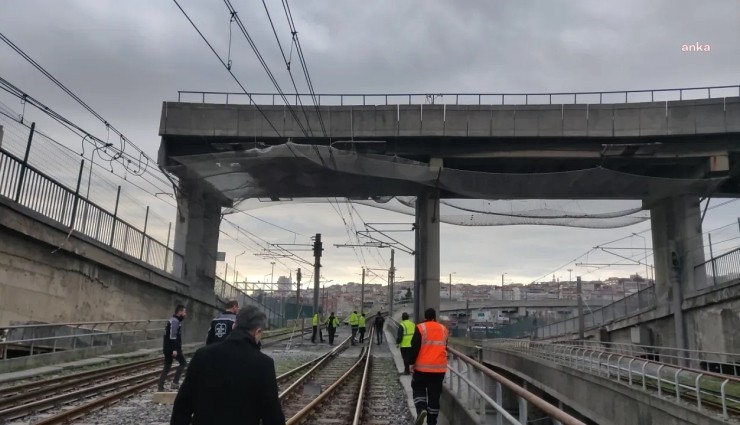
(581, 321)
(298, 289)
(502, 286)
(391, 278)
(570, 280)
(362, 292)
(317, 248)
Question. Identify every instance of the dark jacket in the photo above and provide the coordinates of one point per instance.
(220, 327)
(172, 336)
(229, 383)
(379, 322)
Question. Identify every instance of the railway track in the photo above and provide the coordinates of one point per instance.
(349, 390)
(85, 392)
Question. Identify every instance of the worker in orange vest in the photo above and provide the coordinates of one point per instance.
(428, 359)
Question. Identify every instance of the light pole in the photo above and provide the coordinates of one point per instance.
(451, 284)
(272, 272)
(235, 257)
(502, 286)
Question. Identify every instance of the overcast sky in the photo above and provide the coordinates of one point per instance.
(125, 58)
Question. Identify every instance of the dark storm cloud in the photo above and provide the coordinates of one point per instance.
(125, 58)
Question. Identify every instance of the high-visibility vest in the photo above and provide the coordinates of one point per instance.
(408, 333)
(315, 320)
(361, 321)
(353, 320)
(433, 352)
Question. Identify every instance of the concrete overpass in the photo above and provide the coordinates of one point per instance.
(456, 306)
(667, 154)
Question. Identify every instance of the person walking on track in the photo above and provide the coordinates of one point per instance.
(316, 325)
(429, 364)
(379, 322)
(231, 382)
(332, 323)
(172, 348)
(354, 323)
(222, 325)
(361, 325)
(403, 339)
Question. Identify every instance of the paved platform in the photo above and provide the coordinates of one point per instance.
(390, 339)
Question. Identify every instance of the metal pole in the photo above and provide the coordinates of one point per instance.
(392, 278)
(362, 292)
(167, 249)
(450, 286)
(115, 216)
(298, 289)
(711, 258)
(25, 162)
(143, 237)
(77, 195)
(581, 324)
(316, 271)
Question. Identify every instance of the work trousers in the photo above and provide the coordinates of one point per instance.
(362, 334)
(313, 335)
(354, 333)
(331, 331)
(426, 388)
(406, 355)
(168, 364)
(379, 333)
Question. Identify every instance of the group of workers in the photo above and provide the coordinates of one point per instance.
(231, 380)
(356, 321)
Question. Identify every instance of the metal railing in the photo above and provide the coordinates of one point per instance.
(226, 291)
(481, 391)
(686, 384)
(28, 186)
(590, 97)
(639, 302)
(722, 269)
(52, 337)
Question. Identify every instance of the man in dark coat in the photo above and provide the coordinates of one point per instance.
(232, 381)
(172, 348)
(222, 325)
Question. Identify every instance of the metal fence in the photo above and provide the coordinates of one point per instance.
(667, 371)
(593, 97)
(641, 301)
(226, 291)
(720, 270)
(35, 190)
(49, 338)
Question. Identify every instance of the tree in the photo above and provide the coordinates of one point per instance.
(407, 296)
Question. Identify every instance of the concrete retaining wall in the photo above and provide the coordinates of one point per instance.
(84, 280)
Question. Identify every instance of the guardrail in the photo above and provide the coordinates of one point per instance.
(641, 301)
(469, 381)
(590, 97)
(700, 387)
(30, 187)
(722, 269)
(53, 337)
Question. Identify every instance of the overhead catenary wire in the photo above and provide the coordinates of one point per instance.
(228, 69)
(262, 61)
(302, 59)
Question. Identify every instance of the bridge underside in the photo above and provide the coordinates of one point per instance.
(668, 154)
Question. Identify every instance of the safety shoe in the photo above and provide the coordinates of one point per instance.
(421, 417)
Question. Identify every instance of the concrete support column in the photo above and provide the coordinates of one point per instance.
(677, 248)
(677, 244)
(196, 236)
(426, 282)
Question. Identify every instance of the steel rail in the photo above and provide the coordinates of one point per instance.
(365, 376)
(326, 358)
